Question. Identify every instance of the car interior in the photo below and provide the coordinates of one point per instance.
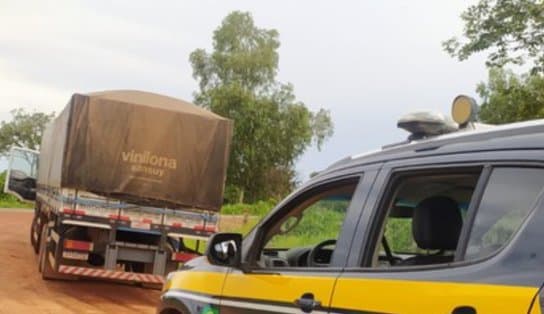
(306, 237)
(424, 216)
(424, 219)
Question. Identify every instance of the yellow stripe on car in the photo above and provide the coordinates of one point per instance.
(278, 287)
(417, 297)
(359, 294)
(196, 281)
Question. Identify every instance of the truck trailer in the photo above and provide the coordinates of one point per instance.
(126, 184)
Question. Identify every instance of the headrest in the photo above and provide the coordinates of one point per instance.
(437, 223)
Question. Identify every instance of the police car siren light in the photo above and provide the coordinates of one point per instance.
(426, 124)
(464, 110)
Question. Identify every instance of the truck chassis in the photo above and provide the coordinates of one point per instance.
(80, 234)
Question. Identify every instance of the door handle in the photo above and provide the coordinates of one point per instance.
(307, 303)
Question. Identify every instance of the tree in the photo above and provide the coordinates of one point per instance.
(512, 29)
(508, 97)
(24, 130)
(271, 127)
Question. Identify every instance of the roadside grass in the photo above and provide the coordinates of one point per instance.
(8, 201)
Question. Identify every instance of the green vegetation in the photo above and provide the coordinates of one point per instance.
(243, 228)
(398, 232)
(8, 200)
(317, 224)
(271, 127)
(508, 97)
(513, 34)
(24, 130)
(259, 208)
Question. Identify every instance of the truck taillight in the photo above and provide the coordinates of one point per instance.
(70, 211)
(78, 245)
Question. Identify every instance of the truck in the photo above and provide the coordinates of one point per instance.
(126, 185)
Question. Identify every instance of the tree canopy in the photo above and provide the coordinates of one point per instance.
(271, 127)
(25, 129)
(512, 30)
(508, 97)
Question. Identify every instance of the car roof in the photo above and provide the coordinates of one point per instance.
(513, 136)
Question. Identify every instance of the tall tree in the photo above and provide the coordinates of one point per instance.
(25, 129)
(508, 97)
(271, 127)
(513, 31)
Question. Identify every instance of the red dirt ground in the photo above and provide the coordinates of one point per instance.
(23, 291)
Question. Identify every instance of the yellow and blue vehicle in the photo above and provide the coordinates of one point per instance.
(449, 221)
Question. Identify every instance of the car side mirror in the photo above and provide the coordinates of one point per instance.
(225, 249)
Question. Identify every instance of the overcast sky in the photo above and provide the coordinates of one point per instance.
(368, 62)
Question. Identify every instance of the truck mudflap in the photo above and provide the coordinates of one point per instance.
(111, 274)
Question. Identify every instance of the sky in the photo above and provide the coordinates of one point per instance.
(368, 62)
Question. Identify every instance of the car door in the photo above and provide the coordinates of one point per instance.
(479, 278)
(279, 278)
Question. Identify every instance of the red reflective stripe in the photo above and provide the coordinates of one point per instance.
(183, 257)
(147, 221)
(70, 211)
(210, 229)
(119, 217)
(202, 228)
(110, 274)
(177, 224)
(78, 245)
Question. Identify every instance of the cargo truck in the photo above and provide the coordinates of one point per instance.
(126, 184)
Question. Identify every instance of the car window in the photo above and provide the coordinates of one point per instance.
(424, 215)
(321, 220)
(24, 164)
(508, 198)
(316, 218)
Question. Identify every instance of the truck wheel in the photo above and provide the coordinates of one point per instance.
(35, 235)
(44, 265)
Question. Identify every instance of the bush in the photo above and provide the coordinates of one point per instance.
(259, 208)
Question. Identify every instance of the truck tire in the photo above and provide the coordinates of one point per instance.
(35, 239)
(44, 266)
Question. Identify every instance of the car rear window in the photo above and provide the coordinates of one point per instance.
(509, 196)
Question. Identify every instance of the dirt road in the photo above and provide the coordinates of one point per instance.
(23, 291)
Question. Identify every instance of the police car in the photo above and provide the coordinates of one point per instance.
(449, 221)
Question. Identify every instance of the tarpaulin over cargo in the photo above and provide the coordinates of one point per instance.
(139, 147)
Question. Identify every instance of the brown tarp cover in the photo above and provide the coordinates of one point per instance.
(140, 147)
